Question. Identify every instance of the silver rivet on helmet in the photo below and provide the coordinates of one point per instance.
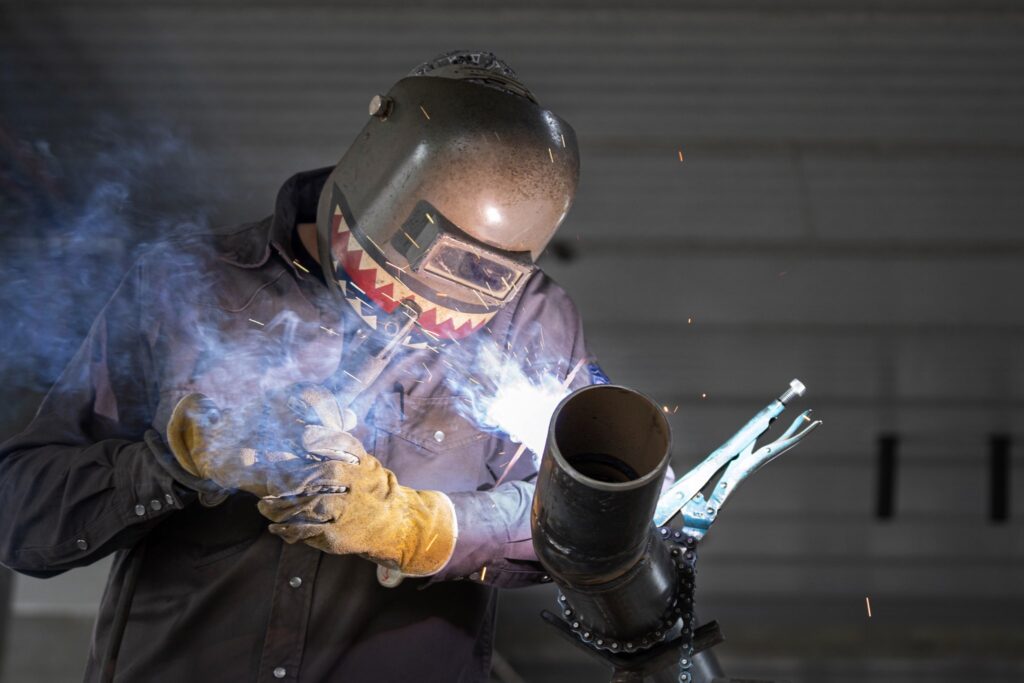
(380, 106)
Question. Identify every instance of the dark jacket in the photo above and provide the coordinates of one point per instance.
(202, 593)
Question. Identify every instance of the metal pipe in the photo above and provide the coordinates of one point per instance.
(599, 481)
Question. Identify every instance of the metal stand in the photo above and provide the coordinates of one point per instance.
(6, 595)
(659, 662)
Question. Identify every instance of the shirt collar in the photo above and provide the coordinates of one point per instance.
(296, 203)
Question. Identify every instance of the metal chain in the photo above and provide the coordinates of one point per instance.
(683, 549)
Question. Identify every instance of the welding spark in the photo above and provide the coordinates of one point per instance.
(483, 574)
(410, 237)
(429, 217)
(486, 305)
(257, 322)
(689, 321)
(424, 112)
(511, 463)
(430, 375)
(867, 601)
(329, 331)
(680, 155)
(375, 244)
(427, 332)
(551, 154)
(572, 373)
(352, 376)
(431, 543)
(703, 395)
(562, 136)
(299, 265)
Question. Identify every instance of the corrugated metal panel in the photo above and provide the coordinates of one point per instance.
(848, 211)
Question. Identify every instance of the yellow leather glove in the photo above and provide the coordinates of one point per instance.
(356, 506)
(249, 453)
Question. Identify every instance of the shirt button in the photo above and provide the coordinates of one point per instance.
(280, 672)
(169, 498)
(82, 544)
(295, 582)
(156, 505)
(140, 510)
(439, 436)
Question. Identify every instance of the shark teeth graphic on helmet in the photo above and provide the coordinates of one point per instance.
(339, 222)
(373, 287)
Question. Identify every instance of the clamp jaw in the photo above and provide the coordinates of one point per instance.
(740, 460)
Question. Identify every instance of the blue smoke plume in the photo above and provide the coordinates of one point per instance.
(74, 218)
(77, 218)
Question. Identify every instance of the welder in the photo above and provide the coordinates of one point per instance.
(255, 542)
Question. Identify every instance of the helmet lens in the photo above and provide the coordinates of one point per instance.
(472, 267)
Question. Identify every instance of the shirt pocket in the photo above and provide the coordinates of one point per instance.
(429, 445)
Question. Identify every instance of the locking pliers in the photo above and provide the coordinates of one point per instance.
(740, 460)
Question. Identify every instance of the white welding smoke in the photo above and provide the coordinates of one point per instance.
(509, 394)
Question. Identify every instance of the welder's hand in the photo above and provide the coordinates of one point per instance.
(249, 453)
(345, 507)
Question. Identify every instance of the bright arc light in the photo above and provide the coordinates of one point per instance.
(511, 396)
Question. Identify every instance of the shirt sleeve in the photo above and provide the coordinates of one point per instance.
(82, 480)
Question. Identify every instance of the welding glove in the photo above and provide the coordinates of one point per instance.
(249, 453)
(354, 505)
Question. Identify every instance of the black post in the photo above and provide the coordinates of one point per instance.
(885, 504)
(999, 478)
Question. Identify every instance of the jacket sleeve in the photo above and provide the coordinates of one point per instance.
(81, 480)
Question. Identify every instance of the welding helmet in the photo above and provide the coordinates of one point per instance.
(448, 195)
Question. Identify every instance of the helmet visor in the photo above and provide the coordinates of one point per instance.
(431, 243)
(486, 273)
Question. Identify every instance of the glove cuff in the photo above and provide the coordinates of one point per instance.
(210, 494)
(436, 532)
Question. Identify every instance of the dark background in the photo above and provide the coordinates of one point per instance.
(848, 212)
